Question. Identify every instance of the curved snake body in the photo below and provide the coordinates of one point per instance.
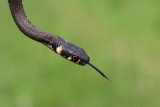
(62, 47)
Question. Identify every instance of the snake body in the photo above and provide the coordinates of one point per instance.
(61, 46)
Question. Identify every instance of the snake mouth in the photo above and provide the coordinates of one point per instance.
(72, 58)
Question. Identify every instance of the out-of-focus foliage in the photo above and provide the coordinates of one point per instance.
(122, 38)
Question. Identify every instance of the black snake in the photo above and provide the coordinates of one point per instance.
(60, 46)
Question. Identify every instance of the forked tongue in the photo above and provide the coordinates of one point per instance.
(99, 71)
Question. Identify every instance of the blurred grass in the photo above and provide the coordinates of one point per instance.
(122, 38)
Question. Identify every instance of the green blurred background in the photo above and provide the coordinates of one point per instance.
(122, 38)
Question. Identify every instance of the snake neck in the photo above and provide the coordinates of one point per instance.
(25, 25)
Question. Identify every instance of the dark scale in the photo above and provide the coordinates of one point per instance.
(62, 47)
(64, 54)
(55, 45)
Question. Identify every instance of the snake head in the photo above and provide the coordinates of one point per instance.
(71, 52)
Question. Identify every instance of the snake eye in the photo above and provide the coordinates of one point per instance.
(75, 58)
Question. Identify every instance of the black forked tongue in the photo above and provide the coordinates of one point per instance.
(99, 71)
